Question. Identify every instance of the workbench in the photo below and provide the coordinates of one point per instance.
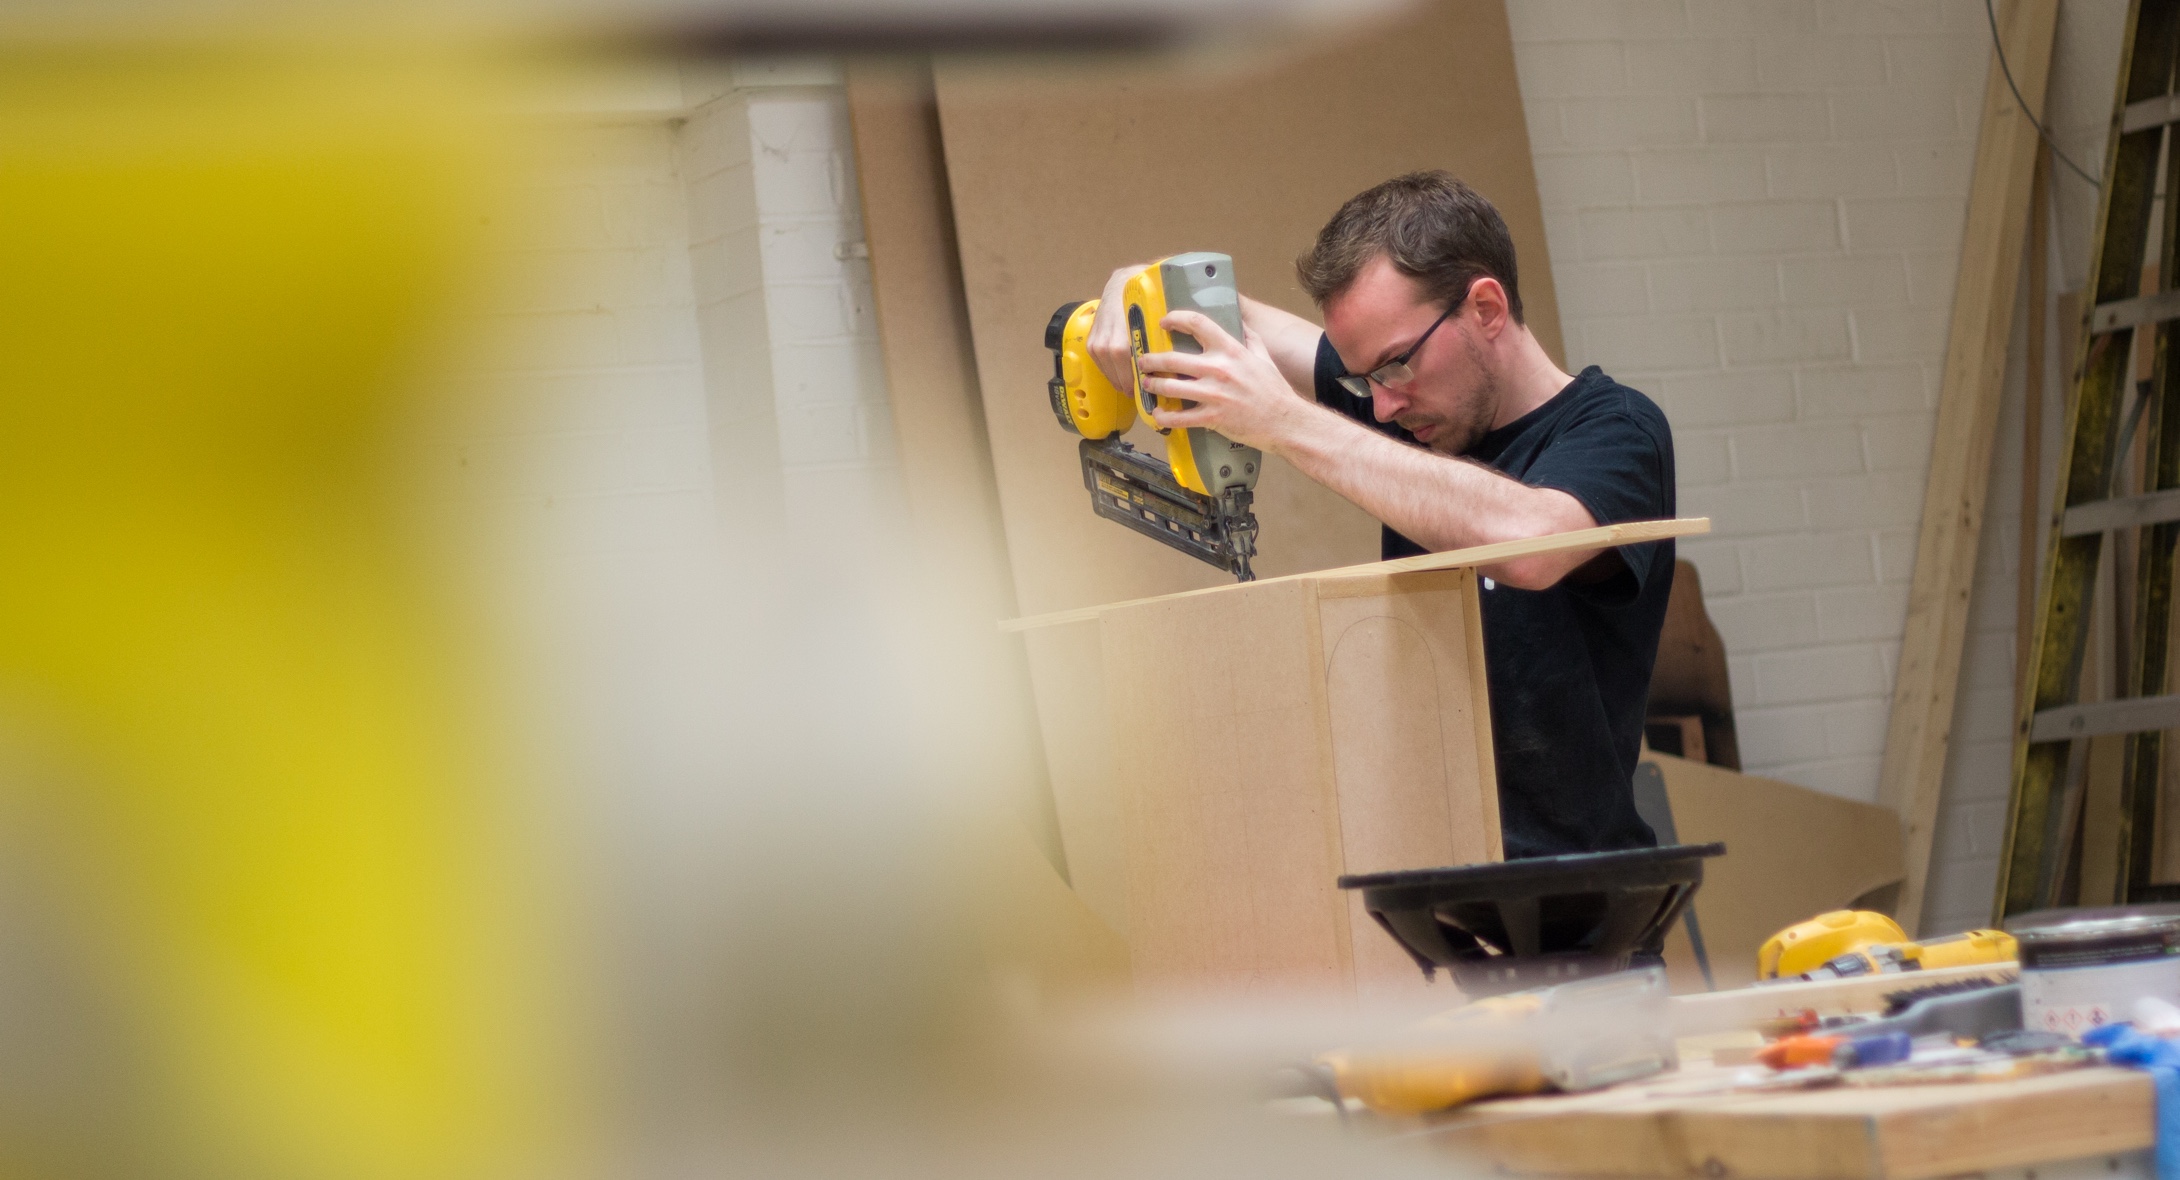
(1680, 1125)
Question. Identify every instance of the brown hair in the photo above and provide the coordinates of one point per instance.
(1429, 225)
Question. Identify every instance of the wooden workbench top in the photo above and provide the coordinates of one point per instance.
(1674, 1127)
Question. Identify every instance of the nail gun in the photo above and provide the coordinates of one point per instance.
(1198, 498)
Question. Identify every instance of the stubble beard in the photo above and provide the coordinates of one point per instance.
(1474, 413)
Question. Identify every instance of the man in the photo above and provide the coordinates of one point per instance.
(1427, 402)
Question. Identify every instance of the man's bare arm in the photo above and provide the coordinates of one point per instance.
(1291, 341)
(1439, 502)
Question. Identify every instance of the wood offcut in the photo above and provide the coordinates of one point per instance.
(1992, 246)
(1602, 537)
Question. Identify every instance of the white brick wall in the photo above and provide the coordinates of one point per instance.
(1741, 199)
(595, 435)
(680, 352)
(786, 309)
(1755, 210)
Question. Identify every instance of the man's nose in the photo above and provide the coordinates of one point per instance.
(1385, 405)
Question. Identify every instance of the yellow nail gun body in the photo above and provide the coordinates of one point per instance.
(1846, 943)
(1198, 498)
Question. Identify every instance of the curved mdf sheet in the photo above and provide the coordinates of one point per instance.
(1061, 171)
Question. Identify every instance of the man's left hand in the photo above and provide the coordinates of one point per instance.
(1237, 388)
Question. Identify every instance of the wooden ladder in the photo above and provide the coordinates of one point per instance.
(2101, 492)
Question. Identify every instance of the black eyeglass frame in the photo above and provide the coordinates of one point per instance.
(1395, 371)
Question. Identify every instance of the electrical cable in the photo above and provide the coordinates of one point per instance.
(2000, 49)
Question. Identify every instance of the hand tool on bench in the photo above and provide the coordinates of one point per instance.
(1846, 943)
(1575, 1036)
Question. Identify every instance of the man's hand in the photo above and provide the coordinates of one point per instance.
(1109, 343)
(1238, 389)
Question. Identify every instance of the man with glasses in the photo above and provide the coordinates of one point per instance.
(1427, 402)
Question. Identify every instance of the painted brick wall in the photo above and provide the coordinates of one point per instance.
(679, 342)
(784, 295)
(1755, 210)
(596, 415)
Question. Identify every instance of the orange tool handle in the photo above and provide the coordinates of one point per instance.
(1799, 1052)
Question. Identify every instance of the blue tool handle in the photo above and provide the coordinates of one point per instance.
(1885, 1048)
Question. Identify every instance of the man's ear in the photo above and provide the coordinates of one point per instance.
(1488, 296)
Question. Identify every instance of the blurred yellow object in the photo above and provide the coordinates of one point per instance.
(1861, 942)
(1477, 1063)
(1967, 949)
(1808, 945)
(265, 814)
(1571, 1036)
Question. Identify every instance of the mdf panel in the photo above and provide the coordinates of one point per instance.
(1411, 745)
(1059, 171)
(945, 457)
(1220, 764)
(1267, 739)
(1078, 742)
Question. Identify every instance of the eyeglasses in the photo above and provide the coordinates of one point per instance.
(1395, 371)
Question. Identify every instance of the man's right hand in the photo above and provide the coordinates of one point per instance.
(1109, 343)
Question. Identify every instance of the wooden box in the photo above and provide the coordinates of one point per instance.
(1221, 757)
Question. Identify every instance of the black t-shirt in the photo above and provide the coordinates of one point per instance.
(1569, 667)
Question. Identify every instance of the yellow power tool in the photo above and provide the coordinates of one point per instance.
(1198, 498)
(1845, 943)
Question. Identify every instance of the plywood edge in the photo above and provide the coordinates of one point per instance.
(1994, 239)
(1389, 584)
(2084, 1113)
(1654, 1140)
(1328, 784)
(1487, 752)
(1702, 1013)
(1602, 537)
(1904, 1133)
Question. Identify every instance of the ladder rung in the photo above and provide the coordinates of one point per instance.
(2130, 715)
(2124, 513)
(2150, 112)
(2130, 313)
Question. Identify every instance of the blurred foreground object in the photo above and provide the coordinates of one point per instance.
(732, 26)
(250, 814)
(1576, 1036)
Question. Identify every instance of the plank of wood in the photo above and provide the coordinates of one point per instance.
(1992, 246)
(1324, 735)
(1897, 1133)
(1602, 537)
(1746, 1007)
(2032, 426)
